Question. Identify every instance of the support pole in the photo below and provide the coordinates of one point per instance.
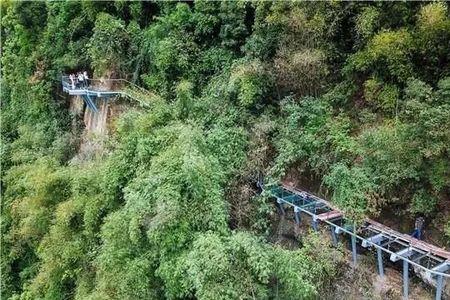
(333, 236)
(354, 250)
(405, 279)
(297, 216)
(280, 204)
(314, 224)
(440, 281)
(380, 262)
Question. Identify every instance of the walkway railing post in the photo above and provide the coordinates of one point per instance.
(380, 262)
(440, 281)
(405, 279)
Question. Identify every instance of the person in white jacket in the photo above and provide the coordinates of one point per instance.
(85, 76)
(72, 81)
(81, 79)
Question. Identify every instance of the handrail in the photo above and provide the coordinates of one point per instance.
(125, 88)
(65, 79)
(437, 273)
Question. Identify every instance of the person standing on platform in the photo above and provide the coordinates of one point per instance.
(80, 79)
(86, 78)
(72, 81)
(418, 228)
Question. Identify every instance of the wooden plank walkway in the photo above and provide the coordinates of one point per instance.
(434, 261)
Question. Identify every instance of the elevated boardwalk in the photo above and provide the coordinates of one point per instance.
(105, 89)
(428, 261)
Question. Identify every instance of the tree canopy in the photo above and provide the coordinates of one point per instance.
(353, 97)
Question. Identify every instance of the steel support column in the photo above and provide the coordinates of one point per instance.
(354, 249)
(333, 235)
(439, 284)
(380, 262)
(314, 224)
(405, 279)
(298, 218)
(280, 204)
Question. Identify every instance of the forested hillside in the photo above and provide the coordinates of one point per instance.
(351, 98)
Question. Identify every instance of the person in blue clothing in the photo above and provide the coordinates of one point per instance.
(418, 228)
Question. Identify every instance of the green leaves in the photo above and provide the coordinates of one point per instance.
(297, 272)
(423, 203)
(311, 134)
(388, 54)
(229, 268)
(250, 82)
(389, 161)
(161, 213)
(367, 22)
(384, 96)
(433, 16)
(177, 196)
(241, 266)
(352, 189)
(184, 91)
(106, 47)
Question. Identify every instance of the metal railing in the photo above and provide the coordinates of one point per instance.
(106, 87)
(351, 233)
(112, 84)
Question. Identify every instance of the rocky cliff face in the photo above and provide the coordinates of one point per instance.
(94, 122)
(95, 126)
(97, 122)
(92, 127)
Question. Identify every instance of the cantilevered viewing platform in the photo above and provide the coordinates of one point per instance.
(93, 89)
(89, 90)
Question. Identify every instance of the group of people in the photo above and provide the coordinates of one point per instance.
(79, 80)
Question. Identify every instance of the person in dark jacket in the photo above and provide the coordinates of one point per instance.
(418, 228)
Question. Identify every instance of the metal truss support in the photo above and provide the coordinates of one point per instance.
(89, 102)
(291, 198)
(443, 267)
(310, 206)
(405, 279)
(380, 239)
(407, 252)
(376, 239)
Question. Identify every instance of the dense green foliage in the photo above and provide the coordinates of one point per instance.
(352, 96)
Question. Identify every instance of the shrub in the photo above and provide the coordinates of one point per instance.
(423, 203)
(107, 45)
(383, 96)
(250, 82)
